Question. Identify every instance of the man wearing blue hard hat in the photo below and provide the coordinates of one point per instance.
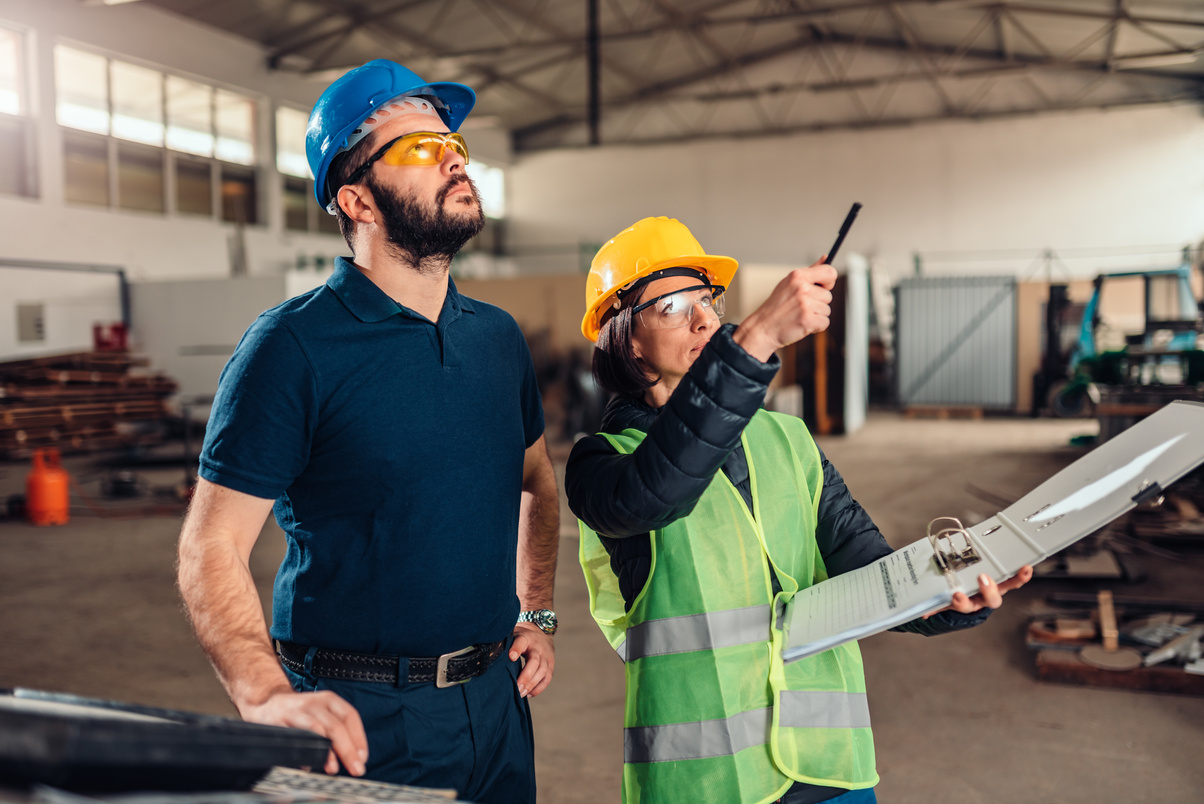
(394, 426)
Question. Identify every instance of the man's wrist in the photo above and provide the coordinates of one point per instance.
(253, 697)
(543, 619)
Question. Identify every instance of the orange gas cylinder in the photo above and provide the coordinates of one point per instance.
(47, 489)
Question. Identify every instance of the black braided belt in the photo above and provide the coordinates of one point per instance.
(445, 671)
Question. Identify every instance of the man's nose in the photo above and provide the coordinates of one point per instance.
(450, 160)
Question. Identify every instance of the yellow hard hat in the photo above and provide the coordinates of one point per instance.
(642, 249)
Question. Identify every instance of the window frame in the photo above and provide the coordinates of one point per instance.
(172, 157)
(24, 121)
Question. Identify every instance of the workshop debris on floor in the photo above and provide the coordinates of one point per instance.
(81, 402)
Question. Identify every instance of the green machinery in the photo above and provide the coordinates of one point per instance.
(1163, 354)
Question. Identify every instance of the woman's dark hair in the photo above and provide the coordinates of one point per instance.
(615, 366)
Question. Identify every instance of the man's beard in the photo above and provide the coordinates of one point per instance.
(423, 233)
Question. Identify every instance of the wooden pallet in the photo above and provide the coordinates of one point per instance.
(943, 412)
(13, 393)
(1065, 667)
(75, 402)
(84, 361)
(23, 417)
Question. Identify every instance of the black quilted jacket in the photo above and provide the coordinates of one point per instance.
(623, 497)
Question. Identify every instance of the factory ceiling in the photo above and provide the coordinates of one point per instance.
(574, 72)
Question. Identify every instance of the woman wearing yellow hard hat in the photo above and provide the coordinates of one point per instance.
(700, 512)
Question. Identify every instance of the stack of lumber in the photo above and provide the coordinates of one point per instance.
(79, 402)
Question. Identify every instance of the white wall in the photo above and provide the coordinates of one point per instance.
(1116, 180)
(72, 302)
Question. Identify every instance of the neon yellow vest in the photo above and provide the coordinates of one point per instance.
(712, 713)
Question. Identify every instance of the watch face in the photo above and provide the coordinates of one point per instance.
(545, 619)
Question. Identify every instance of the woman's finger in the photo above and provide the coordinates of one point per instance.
(989, 590)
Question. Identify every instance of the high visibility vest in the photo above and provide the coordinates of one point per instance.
(712, 713)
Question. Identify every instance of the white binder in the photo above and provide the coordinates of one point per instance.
(1130, 469)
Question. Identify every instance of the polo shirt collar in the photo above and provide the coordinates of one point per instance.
(370, 304)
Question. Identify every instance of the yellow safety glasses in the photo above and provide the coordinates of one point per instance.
(416, 148)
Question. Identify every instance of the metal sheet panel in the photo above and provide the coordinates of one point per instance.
(957, 341)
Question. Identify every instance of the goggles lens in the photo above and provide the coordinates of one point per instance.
(423, 148)
(417, 148)
(677, 309)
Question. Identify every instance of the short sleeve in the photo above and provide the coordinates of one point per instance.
(532, 403)
(263, 416)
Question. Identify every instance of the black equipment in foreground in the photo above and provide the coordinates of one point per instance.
(84, 744)
(844, 230)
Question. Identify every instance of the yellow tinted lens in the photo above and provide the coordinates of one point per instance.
(424, 148)
(457, 144)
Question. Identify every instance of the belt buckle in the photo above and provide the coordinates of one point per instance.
(441, 670)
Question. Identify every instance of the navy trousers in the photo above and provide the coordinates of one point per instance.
(475, 738)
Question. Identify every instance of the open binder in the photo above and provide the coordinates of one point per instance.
(1130, 469)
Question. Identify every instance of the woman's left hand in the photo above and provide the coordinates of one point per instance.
(990, 594)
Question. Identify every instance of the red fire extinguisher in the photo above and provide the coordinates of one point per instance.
(47, 489)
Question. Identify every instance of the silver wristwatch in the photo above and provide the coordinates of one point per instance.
(544, 619)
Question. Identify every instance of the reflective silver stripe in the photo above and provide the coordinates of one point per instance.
(824, 710)
(622, 650)
(706, 738)
(725, 737)
(689, 632)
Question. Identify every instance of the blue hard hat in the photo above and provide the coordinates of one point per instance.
(353, 97)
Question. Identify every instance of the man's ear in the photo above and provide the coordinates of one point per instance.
(357, 202)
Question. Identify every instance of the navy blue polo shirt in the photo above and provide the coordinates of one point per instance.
(393, 448)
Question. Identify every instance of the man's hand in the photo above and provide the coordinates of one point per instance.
(537, 649)
(990, 594)
(323, 713)
(799, 306)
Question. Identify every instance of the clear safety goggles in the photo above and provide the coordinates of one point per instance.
(416, 148)
(677, 309)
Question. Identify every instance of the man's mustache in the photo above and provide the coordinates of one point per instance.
(452, 184)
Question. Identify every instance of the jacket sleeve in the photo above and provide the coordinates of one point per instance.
(662, 480)
(848, 539)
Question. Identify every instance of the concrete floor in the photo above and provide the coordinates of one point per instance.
(90, 608)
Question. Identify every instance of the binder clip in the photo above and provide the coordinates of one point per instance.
(949, 557)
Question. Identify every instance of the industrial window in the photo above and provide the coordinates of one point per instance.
(301, 211)
(235, 126)
(140, 178)
(238, 195)
(86, 169)
(82, 90)
(194, 186)
(290, 142)
(189, 116)
(297, 203)
(17, 169)
(137, 103)
(11, 83)
(156, 126)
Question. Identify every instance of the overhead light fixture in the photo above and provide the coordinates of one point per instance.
(106, 2)
(1158, 59)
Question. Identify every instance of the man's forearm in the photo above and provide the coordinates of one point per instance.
(220, 596)
(224, 608)
(538, 540)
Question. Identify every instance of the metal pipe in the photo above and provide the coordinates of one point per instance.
(595, 72)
